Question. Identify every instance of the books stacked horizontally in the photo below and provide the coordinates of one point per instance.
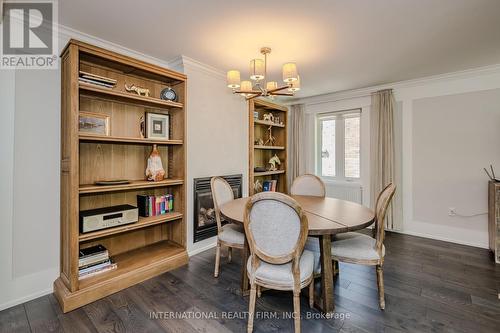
(94, 260)
(154, 205)
(269, 185)
(96, 79)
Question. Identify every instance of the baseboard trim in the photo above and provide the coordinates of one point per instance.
(444, 239)
(202, 249)
(25, 299)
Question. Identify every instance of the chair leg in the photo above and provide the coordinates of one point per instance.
(251, 308)
(217, 260)
(311, 293)
(335, 267)
(229, 254)
(296, 310)
(380, 285)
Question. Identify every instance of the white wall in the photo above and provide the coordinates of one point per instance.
(448, 122)
(30, 150)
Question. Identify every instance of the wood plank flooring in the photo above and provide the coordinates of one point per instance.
(431, 286)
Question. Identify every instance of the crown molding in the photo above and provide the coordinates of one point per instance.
(364, 92)
(193, 64)
(68, 33)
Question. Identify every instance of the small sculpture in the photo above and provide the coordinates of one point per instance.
(273, 161)
(138, 90)
(257, 187)
(154, 170)
(259, 142)
(269, 117)
(270, 138)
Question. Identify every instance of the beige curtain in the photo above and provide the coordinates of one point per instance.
(383, 155)
(296, 142)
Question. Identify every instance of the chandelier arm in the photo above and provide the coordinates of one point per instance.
(281, 94)
(278, 89)
(253, 96)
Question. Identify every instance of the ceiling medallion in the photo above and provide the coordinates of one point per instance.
(259, 85)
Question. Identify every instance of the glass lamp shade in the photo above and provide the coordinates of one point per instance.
(257, 69)
(290, 72)
(233, 79)
(271, 85)
(295, 85)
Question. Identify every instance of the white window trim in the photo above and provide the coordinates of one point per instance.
(339, 145)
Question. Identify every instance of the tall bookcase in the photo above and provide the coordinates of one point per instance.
(259, 155)
(152, 245)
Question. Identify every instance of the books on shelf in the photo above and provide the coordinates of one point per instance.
(94, 260)
(96, 79)
(154, 205)
(269, 185)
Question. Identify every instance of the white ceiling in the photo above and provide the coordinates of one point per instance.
(337, 44)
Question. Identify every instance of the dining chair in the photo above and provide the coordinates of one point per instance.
(310, 185)
(357, 248)
(276, 230)
(229, 235)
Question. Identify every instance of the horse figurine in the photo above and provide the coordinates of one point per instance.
(138, 90)
(269, 117)
(273, 161)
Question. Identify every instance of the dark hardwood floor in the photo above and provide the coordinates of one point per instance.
(431, 286)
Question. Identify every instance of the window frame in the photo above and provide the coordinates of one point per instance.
(339, 117)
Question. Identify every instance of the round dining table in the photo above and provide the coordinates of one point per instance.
(326, 217)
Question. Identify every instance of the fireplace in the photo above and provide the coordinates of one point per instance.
(205, 225)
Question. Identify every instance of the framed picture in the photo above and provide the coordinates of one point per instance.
(93, 123)
(157, 126)
(256, 115)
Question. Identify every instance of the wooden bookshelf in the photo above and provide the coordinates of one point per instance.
(155, 244)
(259, 155)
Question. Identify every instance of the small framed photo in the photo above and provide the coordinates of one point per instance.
(93, 123)
(256, 115)
(157, 126)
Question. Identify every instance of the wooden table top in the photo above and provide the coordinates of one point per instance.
(325, 215)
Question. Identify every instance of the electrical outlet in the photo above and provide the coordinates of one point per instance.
(452, 211)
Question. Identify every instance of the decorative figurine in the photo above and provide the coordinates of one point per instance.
(138, 90)
(259, 142)
(154, 170)
(270, 138)
(257, 187)
(269, 117)
(273, 161)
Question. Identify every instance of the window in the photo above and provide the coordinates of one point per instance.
(338, 145)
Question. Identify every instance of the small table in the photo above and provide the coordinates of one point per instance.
(326, 217)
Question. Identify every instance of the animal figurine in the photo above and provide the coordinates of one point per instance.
(257, 187)
(154, 170)
(270, 138)
(138, 90)
(269, 117)
(259, 142)
(273, 161)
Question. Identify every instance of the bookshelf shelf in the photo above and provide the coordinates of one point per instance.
(143, 222)
(259, 155)
(135, 184)
(91, 90)
(153, 245)
(141, 141)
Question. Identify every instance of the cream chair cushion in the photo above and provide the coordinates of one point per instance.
(356, 246)
(312, 245)
(232, 233)
(282, 274)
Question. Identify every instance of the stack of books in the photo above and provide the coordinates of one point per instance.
(154, 205)
(96, 79)
(94, 260)
(269, 185)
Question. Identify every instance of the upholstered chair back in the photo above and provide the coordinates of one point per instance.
(308, 185)
(221, 193)
(383, 201)
(276, 227)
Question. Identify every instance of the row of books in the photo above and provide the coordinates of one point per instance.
(269, 185)
(94, 260)
(154, 205)
(96, 79)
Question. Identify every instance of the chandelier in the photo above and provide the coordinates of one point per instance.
(258, 85)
